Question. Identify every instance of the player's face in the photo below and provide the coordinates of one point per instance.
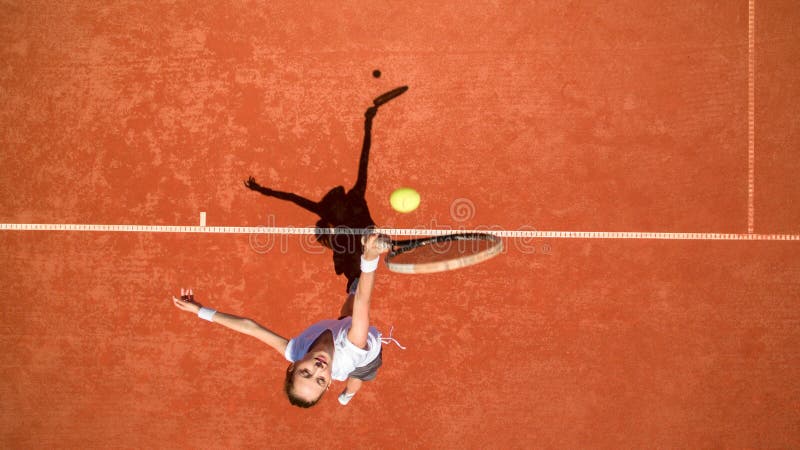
(312, 375)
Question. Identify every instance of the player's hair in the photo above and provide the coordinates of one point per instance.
(288, 386)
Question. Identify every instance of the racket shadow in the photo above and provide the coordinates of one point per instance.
(339, 207)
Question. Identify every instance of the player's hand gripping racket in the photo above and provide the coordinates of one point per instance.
(439, 253)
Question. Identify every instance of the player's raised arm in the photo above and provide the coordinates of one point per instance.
(236, 323)
(369, 262)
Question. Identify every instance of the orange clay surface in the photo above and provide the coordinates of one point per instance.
(597, 116)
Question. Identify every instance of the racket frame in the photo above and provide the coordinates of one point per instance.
(399, 247)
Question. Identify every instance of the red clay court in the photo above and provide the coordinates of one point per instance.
(613, 118)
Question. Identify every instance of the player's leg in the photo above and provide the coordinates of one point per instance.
(353, 385)
(357, 378)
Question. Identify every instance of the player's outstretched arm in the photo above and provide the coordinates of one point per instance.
(360, 187)
(302, 202)
(241, 324)
(360, 325)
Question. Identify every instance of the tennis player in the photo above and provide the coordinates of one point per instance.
(343, 349)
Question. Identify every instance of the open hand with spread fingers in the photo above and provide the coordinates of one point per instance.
(186, 302)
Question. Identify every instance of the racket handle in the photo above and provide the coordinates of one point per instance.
(384, 243)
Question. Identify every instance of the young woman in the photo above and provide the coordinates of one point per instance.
(343, 349)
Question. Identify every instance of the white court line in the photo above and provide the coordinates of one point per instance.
(751, 122)
(652, 235)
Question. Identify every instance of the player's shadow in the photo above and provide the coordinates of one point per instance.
(340, 208)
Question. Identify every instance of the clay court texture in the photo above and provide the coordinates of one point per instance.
(617, 117)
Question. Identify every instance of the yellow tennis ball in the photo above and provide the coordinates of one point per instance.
(404, 200)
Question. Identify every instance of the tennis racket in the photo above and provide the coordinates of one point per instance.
(439, 253)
